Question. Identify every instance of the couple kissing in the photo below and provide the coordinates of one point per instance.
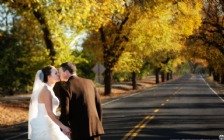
(81, 111)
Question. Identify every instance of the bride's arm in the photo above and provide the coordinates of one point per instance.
(47, 100)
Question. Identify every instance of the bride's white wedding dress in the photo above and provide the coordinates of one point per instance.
(42, 126)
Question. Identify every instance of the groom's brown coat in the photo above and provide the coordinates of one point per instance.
(81, 108)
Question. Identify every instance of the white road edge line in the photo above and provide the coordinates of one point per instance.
(212, 89)
(102, 105)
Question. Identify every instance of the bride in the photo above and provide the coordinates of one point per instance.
(43, 123)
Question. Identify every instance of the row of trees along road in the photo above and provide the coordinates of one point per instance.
(125, 35)
(207, 43)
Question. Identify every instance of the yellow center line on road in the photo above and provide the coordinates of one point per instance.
(137, 128)
(156, 110)
(134, 132)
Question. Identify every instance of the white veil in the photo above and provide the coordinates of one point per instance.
(33, 108)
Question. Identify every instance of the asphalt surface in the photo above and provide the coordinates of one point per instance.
(184, 109)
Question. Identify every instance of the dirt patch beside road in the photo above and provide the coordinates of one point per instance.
(13, 112)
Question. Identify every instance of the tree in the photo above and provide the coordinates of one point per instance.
(145, 26)
(207, 56)
(8, 56)
(14, 48)
(162, 31)
(130, 62)
(210, 35)
(55, 18)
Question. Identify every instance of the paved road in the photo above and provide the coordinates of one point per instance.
(183, 109)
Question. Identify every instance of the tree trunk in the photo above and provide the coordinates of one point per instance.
(163, 77)
(222, 79)
(134, 85)
(107, 81)
(112, 51)
(11, 92)
(171, 75)
(218, 77)
(46, 31)
(157, 75)
(210, 71)
(168, 76)
(214, 76)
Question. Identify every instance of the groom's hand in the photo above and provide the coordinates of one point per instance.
(66, 130)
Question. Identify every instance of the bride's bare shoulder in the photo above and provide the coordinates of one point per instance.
(45, 95)
(45, 91)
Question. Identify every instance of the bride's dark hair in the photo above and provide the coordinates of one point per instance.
(46, 71)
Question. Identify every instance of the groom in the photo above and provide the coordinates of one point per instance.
(80, 105)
